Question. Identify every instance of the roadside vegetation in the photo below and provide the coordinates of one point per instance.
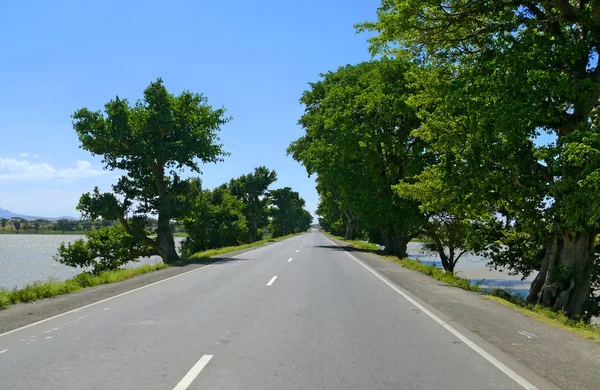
(39, 290)
(476, 128)
(154, 142)
(538, 312)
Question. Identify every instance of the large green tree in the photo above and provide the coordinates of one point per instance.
(497, 75)
(358, 141)
(215, 219)
(252, 189)
(288, 214)
(151, 142)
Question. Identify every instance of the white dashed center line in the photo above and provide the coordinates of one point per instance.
(290, 259)
(193, 373)
(271, 281)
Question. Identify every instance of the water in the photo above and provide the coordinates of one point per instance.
(26, 258)
(475, 269)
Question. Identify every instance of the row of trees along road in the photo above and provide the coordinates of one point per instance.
(477, 127)
(154, 142)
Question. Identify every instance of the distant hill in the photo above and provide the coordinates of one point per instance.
(9, 214)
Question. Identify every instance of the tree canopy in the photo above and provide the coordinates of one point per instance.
(508, 96)
(358, 141)
(151, 142)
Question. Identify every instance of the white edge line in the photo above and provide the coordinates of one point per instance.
(271, 281)
(120, 295)
(193, 373)
(290, 259)
(487, 356)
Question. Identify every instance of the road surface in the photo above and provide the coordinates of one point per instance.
(298, 314)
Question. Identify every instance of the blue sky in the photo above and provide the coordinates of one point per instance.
(254, 58)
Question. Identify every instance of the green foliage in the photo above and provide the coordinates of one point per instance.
(216, 219)
(358, 141)
(105, 249)
(491, 77)
(287, 212)
(152, 141)
(39, 290)
(252, 190)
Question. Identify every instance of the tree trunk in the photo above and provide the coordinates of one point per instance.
(166, 243)
(350, 227)
(564, 280)
(254, 231)
(395, 244)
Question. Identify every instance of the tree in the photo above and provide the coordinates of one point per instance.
(3, 222)
(450, 230)
(497, 75)
(36, 225)
(17, 224)
(287, 212)
(63, 225)
(358, 141)
(152, 142)
(335, 215)
(107, 248)
(252, 190)
(216, 219)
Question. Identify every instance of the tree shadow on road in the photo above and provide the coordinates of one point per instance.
(346, 248)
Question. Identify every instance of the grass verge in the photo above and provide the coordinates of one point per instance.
(38, 290)
(540, 313)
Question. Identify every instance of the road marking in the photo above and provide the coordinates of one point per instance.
(271, 281)
(122, 294)
(193, 373)
(297, 250)
(300, 246)
(4, 350)
(529, 335)
(483, 353)
(290, 259)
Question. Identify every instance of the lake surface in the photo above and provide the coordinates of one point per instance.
(474, 268)
(26, 258)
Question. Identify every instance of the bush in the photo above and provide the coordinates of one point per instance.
(105, 249)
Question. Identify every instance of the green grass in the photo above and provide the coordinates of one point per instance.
(39, 290)
(51, 288)
(436, 273)
(537, 312)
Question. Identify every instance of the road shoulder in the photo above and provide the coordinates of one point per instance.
(559, 356)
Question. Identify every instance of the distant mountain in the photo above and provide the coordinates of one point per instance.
(9, 214)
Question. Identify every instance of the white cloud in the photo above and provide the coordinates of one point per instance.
(29, 155)
(23, 170)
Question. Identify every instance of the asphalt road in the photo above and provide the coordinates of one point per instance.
(299, 314)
